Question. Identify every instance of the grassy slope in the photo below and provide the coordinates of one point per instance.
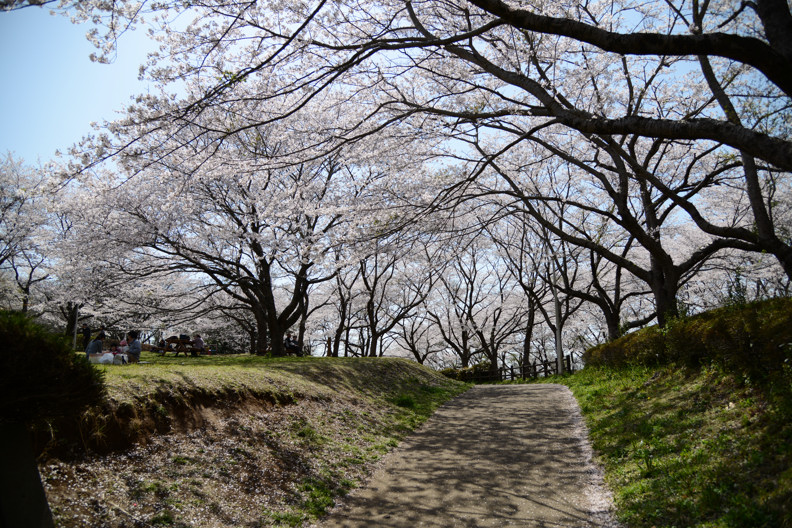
(690, 448)
(235, 440)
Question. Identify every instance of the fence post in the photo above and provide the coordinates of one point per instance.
(568, 359)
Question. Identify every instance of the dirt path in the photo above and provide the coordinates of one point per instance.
(507, 455)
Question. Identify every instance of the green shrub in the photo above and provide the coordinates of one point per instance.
(753, 340)
(475, 373)
(645, 347)
(41, 378)
(685, 339)
(648, 347)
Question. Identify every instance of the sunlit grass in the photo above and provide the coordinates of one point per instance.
(243, 373)
(689, 448)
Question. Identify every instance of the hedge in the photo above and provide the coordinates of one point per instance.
(754, 339)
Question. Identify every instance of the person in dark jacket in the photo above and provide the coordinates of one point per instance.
(291, 345)
(95, 346)
(86, 335)
(134, 346)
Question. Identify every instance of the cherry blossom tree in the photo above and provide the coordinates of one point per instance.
(478, 61)
(495, 38)
(418, 336)
(601, 283)
(256, 215)
(475, 308)
(394, 280)
(665, 124)
(24, 211)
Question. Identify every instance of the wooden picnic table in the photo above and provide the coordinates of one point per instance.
(178, 346)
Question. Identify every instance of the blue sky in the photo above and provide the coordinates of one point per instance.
(50, 91)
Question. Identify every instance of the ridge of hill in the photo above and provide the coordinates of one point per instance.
(693, 422)
(689, 447)
(232, 440)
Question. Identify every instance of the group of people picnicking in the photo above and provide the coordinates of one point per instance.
(128, 349)
(196, 344)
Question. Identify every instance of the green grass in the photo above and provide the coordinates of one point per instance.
(284, 518)
(280, 378)
(690, 448)
(412, 392)
(328, 421)
(416, 400)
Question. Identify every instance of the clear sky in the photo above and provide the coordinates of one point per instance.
(50, 91)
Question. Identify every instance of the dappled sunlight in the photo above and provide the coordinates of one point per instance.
(497, 456)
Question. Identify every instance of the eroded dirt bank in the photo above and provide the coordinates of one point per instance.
(265, 444)
(241, 466)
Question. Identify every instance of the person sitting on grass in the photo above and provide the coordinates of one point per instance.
(291, 345)
(197, 345)
(134, 346)
(95, 346)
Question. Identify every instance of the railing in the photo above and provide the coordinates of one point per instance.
(542, 369)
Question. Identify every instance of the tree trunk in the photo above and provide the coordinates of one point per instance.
(347, 332)
(526, 351)
(493, 371)
(262, 333)
(276, 343)
(25, 299)
(764, 226)
(613, 322)
(339, 336)
(70, 313)
(492, 355)
(558, 332)
(664, 288)
(339, 331)
(373, 345)
(23, 502)
(465, 354)
(491, 352)
(301, 328)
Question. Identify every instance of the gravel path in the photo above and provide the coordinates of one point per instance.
(505, 455)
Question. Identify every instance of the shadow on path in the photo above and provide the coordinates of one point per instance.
(502, 455)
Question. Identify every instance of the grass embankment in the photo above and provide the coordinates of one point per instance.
(690, 447)
(234, 440)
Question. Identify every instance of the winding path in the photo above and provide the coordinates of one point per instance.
(496, 456)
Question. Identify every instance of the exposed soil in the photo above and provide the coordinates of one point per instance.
(238, 466)
(495, 456)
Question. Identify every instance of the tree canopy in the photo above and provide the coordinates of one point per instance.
(475, 163)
